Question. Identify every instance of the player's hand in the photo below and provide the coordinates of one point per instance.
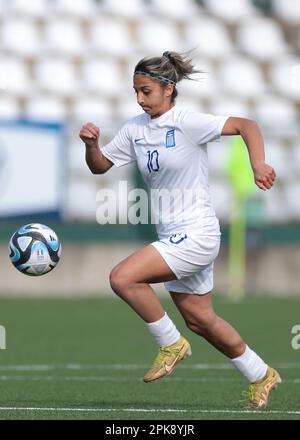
(264, 176)
(89, 134)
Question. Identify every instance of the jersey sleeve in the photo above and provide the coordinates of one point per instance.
(120, 150)
(202, 128)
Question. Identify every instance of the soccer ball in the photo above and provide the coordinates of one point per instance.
(34, 249)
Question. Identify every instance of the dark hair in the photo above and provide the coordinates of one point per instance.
(170, 68)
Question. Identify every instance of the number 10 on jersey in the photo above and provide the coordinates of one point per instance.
(153, 164)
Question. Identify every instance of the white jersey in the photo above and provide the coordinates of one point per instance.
(171, 154)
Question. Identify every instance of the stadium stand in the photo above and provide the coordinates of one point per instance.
(73, 60)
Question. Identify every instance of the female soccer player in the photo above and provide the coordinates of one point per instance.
(170, 147)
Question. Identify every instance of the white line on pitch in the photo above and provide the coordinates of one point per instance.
(150, 410)
(124, 367)
(124, 379)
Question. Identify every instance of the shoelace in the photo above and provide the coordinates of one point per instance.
(165, 351)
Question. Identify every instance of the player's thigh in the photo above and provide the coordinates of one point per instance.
(145, 265)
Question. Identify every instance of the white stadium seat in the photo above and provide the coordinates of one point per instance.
(128, 107)
(15, 76)
(76, 156)
(45, 108)
(261, 38)
(92, 109)
(221, 198)
(218, 157)
(57, 76)
(275, 208)
(277, 156)
(190, 103)
(204, 85)
(110, 37)
(292, 191)
(78, 8)
(20, 36)
(209, 36)
(35, 8)
(177, 9)
(285, 76)
(276, 113)
(124, 8)
(155, 35)
(296, 154)
(64, 36)
(230, 10)
(81, 198)
(230, 106)
(241, 76)
(9, 108)
(101, 76)
(287, 10)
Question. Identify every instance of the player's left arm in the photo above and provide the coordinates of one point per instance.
(264, 174)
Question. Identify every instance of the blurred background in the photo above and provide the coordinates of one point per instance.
(66, 62)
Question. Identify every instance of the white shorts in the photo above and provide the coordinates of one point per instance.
(191, 258)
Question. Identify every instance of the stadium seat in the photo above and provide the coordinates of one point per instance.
(190, 103)
(294, 164)
(79, 8)
(15, 75)
(296, 152)
(46, 108)
(81, 197)
(261, 38)
(36, 8)
(110, 37)
(230, 10)
(218, 156)
(127, 107)
(64, 36)
(20, 36)
(221, 198)
(204, 85)
(209, 36)
(9, 108)
(76, 156)
(178, 9)
(156, 35)
(92, 109)
(57, 76)
(124, 8)
(287, 10)
(230, 106)
(276, 113)
(277, 156)
(275, 207)
(241, 76)
(285, 76)
(101, 76)
(291, 194)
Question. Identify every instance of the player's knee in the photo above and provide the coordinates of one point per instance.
(202, 325)
(119, 282)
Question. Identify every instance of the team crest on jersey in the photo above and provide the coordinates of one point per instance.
(170, 138)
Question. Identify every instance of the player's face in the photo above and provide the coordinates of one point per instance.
(151, 96)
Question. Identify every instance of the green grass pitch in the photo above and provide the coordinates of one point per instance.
(85, 359)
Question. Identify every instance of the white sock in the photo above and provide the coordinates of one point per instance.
(250, 365)
(164, 331)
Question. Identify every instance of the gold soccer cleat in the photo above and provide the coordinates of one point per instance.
(167, 358)
(259, 391)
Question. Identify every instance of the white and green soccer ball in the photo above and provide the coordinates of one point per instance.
(35, 249)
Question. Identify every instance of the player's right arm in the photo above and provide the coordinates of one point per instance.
(96, 161)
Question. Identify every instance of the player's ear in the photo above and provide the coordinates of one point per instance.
(169, 90)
